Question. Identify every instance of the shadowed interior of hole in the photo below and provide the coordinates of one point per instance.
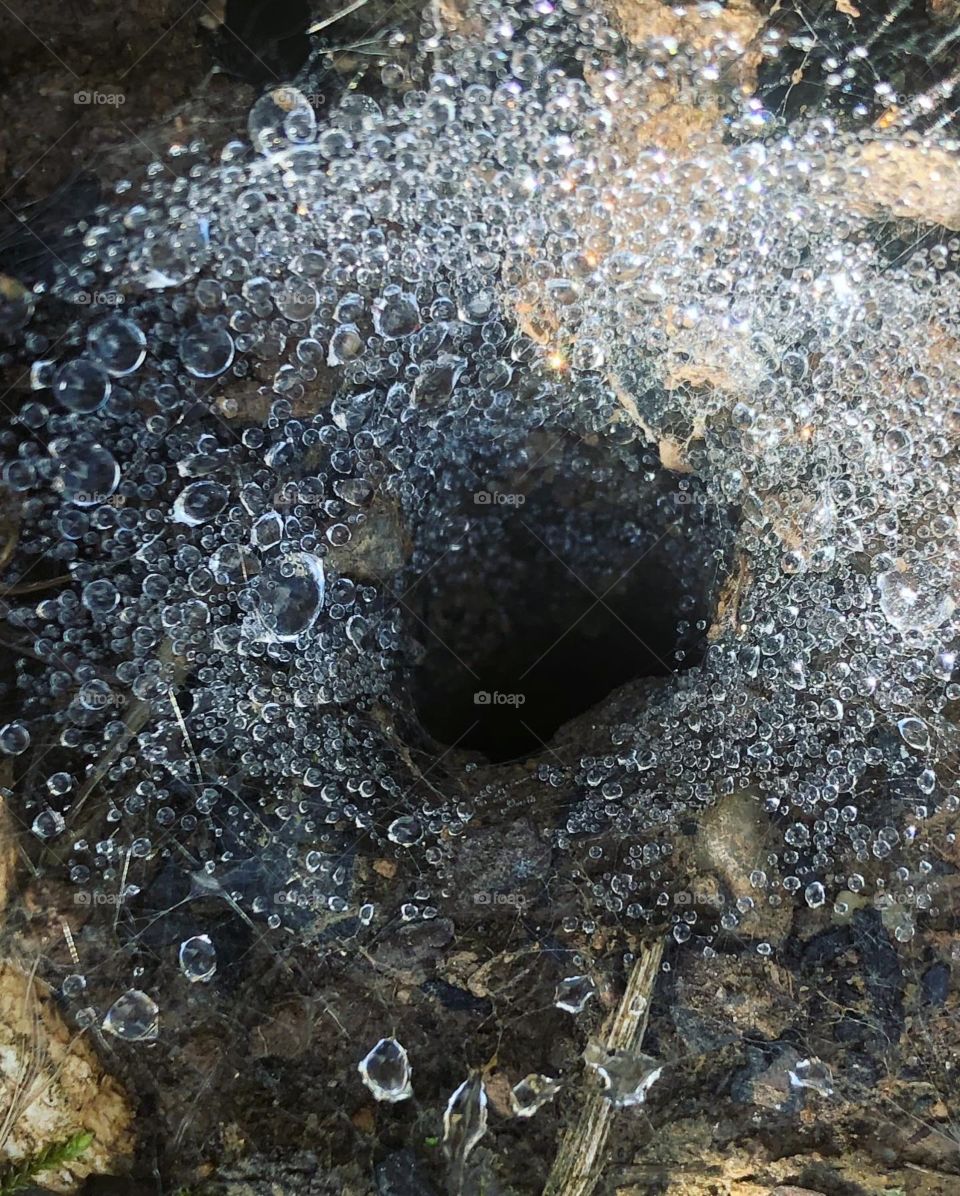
(551, 604)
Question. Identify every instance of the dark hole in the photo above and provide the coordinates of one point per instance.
(546, 607)
(263, 41)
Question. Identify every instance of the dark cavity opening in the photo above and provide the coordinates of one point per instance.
(553, 590)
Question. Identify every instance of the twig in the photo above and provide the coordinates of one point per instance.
(579, 1161)
(34, 587)
(337, 16)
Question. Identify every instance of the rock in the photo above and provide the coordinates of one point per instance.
(935, 984)
(882, 974)
(732, 842)
(766, 1082)
(726, 999)
(846, 905)
(944, 12)
(890, 180)
(378, 548)
(732, 32)
(114, 1185)
(457, 1000)
(286, 1033)
(413, 949)
(71, 1094)
(400, 1175)
(503, 860)
(827, 946)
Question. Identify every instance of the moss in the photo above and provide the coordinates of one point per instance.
(21, 1175)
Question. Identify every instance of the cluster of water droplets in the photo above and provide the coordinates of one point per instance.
(326, 326)
(813, 380)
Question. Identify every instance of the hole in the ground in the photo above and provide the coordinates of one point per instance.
(542, 606)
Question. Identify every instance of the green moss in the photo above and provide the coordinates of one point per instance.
(21, 1175)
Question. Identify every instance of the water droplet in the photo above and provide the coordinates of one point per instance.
(573, 993)
(81, 386)
(465, 1119)
(914, 733)
(912, 602)
(532, 1093)
(48, 824)
(199, 503)
(118, 345)
(14, 738)
(280, 118)
(206, 350)
(627, 1076)
(134, 1017)
(198, 958)
(386, 1071)
(405, 831)
(89, 474)
(289, 596)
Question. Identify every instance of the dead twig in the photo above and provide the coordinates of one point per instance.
(579, 1161)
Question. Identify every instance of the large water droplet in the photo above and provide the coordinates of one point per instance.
(118, 345)
(198, 958)
(206, 350)
(134, 1017)
(81, 386)
(199, 503)
(532, 1093)
(290, 595)
(573, 993)
(280, 118)
(465, 1118)
(386, 1071)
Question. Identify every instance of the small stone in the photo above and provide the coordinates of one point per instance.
(78, 1095)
